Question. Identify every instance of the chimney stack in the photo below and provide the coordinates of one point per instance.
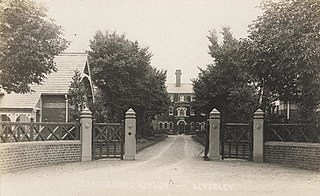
(178, 78)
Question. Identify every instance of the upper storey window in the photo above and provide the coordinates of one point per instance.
(171, 98)
(182, 111)
(182, 98)
(170, 110)
(192, 112)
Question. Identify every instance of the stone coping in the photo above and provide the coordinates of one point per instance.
(295, 144)
(39, 143)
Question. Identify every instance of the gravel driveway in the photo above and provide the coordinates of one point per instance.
(171, 167)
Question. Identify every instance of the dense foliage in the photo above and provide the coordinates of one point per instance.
(282, 52)
(280, 60)
(28, 43)
(76, 96)
(224, 84)
(124, 78)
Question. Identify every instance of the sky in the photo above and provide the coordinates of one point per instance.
(174, 30)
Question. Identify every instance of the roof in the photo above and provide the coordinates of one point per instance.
(184, 88)
(55, 83)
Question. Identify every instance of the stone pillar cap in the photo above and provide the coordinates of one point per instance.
(214, 112)
(85, 112)
(130, 112)
(259, 113)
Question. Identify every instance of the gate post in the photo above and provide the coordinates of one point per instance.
(214, 135)
(130, 135)
(258, 136)
(86, 134)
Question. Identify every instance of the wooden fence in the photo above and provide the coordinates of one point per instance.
(27, 132)
(293, 132)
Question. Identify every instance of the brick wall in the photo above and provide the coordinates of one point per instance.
(296, 154)
(24, 155)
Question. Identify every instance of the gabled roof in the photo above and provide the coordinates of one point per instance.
(184, 88)
(55, 83)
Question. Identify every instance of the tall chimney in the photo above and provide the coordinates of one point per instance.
(178, 78)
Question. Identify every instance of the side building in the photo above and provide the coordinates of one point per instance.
(48, 102)
(180, 116)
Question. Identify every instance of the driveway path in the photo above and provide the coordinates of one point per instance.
(171, 167)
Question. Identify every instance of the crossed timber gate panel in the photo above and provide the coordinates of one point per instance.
(108, 140)
(236, 141)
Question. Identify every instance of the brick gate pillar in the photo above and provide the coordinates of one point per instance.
(214, 135)
(86, 134)
(258, 136)
(130, 135)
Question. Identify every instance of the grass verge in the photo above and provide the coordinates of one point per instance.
(201, 138)
(143, 143)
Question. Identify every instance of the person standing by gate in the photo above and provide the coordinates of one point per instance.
(206, 148)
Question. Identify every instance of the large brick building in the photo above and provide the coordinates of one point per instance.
(180, 116)
(49, 101)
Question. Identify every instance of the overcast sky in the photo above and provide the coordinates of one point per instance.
(174, 30)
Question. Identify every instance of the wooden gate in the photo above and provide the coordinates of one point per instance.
(108, 140)
(236, 140)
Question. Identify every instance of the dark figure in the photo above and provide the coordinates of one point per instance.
(206, 148)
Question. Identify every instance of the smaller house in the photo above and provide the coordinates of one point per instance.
(49, 101)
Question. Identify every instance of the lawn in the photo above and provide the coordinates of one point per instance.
(143, 143)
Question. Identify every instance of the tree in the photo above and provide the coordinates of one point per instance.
(282, 52)
(122, 72)
(28, 43)
(224, 84)
(76, 95)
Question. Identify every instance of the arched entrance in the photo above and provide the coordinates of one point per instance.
(181, 126)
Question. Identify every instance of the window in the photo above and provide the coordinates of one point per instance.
(181, 98)
(165, 125)
(189, 98)
(198, 126)
(23, 118)
(5, 118)
(171, 125)
(182, 111)
(202, 126)
(192, 125)
(170, 110)
(175, 97)
(171, 98)
(191, 112)
(160, 125)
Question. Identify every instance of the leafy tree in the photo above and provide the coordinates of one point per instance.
(76, 95)
(28, 43)
(224, 84)
(122, 72)
(282, 52)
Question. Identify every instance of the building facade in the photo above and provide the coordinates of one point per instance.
(180, 116)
